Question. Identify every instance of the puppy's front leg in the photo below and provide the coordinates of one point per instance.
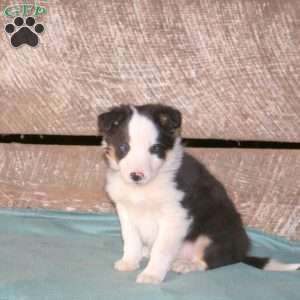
(164, 251)
(132, 247)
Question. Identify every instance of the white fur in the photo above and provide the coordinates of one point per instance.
(274, 265)
(186, 266)
(142, 135)
(150, 213)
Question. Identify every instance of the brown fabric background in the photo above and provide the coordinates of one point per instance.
(231, 66)
(264, 184)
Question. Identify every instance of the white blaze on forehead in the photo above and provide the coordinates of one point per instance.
(142, 132)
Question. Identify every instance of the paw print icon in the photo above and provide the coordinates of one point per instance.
(24, 31)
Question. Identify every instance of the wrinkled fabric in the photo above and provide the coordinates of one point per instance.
(55, 255)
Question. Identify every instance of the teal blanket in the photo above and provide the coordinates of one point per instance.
(50, 255)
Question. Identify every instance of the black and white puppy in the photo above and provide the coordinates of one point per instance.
(168, 203)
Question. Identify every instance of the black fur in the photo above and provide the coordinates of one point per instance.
(113, 125)
(213, 214)
(110, 122)
(257, 262)
(168, 120)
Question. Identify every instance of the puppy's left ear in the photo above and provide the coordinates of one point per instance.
(169, 118)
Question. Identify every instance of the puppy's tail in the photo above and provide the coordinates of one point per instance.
(269, 264)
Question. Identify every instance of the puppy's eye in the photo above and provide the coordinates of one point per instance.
(156, 149)
(124, 148)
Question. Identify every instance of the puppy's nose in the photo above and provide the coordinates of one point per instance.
(137, 176)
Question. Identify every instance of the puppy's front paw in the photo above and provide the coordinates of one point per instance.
(125, 265)
(145, 277)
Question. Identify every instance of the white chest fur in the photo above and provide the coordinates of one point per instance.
(147, 205)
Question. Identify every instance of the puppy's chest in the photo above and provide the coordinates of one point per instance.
(147, 205)
(146, 221)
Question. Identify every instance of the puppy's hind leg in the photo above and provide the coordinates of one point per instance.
(187, 266)
(191, 256)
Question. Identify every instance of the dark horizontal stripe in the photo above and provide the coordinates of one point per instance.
(45, 139)
(219, 143)
(93, 140)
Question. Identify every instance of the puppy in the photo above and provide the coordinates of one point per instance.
(170, 207)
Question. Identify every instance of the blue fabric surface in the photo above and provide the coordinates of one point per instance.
(51, 255)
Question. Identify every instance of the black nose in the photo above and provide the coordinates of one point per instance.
(136, 176)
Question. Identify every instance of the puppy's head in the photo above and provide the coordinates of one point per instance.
(139, 139)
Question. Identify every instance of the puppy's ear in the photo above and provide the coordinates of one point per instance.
(169, 118)
(112, 119)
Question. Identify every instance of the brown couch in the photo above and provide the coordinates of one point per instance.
(232, 67)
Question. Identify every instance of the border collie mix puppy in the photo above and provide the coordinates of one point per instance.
(170, 207)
